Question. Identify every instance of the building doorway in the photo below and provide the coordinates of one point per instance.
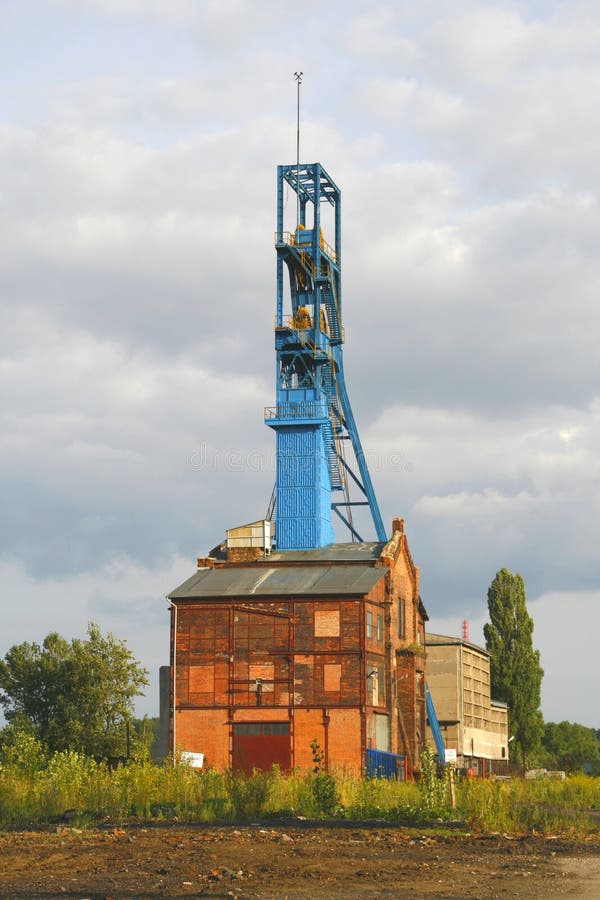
(261, 745)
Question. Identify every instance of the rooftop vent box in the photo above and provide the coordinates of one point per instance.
(255, 534)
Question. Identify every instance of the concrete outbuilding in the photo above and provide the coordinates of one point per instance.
(473, 725)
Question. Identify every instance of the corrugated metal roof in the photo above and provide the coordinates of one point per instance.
(333, 552)
(279, 580)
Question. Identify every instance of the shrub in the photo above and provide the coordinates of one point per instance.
(248, 794)
(434, 787)
(324, 788)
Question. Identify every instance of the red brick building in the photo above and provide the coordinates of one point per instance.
(272, 652)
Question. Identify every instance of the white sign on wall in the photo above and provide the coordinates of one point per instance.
(195, 760)
(449, 756)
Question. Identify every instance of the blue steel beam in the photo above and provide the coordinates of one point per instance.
(311, 469)
(435, 726)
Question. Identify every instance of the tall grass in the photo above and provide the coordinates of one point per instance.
(36, 790)
(530, 806)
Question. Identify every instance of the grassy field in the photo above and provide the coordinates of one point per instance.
(36, 790)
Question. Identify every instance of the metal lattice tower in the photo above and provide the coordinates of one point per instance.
(313, 418)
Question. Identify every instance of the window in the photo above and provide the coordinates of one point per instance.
(376, 685)
(267, 728)
(247, 728)
(327, 623)
(373, 686)
(380, 685)
(379, 628)
(332, 677)
(276, 728)
(420, 685)
(369, 624)
(401, 618)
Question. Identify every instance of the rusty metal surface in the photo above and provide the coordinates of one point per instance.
(280, 581)
(349, 552)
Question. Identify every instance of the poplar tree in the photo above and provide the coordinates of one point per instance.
(515, 670)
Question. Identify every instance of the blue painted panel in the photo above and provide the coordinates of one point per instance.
(380, 764)
(303, 518)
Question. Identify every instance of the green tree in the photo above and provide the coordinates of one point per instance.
(145, 734)
(570, 746)
(75, 695)
(516, 673)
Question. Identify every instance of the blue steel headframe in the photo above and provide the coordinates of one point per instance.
(313, 417)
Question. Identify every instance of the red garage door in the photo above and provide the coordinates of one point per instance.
(260, 745)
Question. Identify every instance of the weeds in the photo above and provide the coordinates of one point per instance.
(378, 798)
(248, 794)
(35, 789)
(434, 786)
(323, 784)
(526, 807)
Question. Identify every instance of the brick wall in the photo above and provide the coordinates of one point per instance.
(244, 554)
(410, 675)
(345, 746)
(205, 731)
(308, 726)
(340, 738)
(312, 658)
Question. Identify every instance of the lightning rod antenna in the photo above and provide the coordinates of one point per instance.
(298, 77)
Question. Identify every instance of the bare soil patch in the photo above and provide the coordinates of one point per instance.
(275, 862)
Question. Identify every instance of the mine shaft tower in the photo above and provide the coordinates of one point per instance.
(312, 417)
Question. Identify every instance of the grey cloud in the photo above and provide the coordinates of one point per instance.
(482, 492)
(567, 655)
(137, 286)
(99, 452)
(502, 315)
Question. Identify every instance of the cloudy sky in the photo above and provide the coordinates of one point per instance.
(138, 148)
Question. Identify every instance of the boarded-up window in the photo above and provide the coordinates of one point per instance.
(266, 673)
(202, 679)
(327, 623)
(332, 676)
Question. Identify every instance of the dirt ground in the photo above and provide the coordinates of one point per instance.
(290, 860)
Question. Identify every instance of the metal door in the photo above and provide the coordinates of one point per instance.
(261, 745)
